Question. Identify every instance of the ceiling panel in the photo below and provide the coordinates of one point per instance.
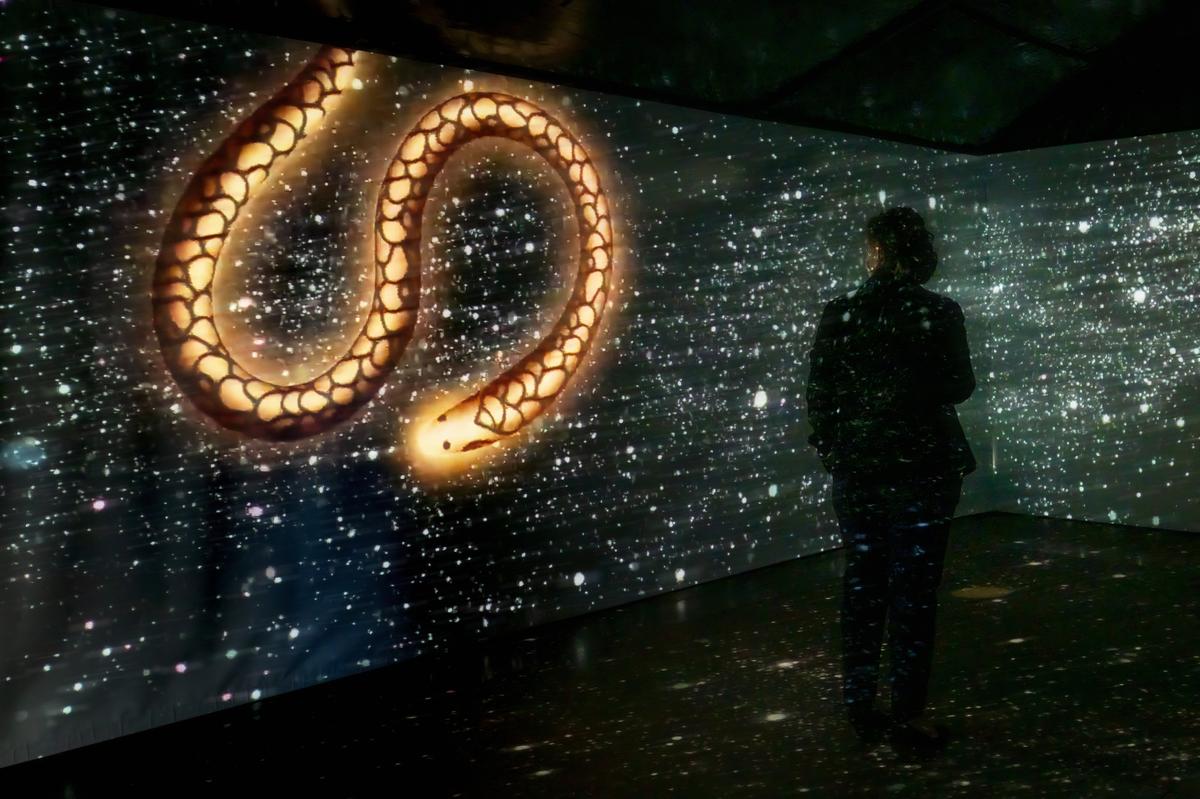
(951, 82)
(968, 75)
(1082, 26)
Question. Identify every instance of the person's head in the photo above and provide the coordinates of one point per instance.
(899, 244)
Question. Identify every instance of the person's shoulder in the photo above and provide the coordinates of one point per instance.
(934, 303)
(839, 303)
(835, 312)
(852, 297)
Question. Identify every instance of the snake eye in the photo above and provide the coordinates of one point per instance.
(445, 444)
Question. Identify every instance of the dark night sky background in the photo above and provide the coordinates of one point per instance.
(156, 566)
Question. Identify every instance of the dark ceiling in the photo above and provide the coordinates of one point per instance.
(974, 76)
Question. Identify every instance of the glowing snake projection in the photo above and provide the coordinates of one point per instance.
(190, 260)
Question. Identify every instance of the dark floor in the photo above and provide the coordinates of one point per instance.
(1081, 680)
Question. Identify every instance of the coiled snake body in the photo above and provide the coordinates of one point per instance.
(190, 257)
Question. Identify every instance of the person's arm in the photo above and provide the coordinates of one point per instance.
(947, 377)
(821, 393)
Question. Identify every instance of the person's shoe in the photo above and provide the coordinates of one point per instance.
(918, 737)
(870, 726)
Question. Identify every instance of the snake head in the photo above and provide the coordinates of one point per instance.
(455, 431)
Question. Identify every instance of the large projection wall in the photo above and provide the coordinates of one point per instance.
(156, 565)
(1094, 317)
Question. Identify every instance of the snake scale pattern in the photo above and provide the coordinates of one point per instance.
(190, 259)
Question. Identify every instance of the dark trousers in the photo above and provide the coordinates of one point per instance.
(895, 534)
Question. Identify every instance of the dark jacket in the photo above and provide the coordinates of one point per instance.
(888, 363)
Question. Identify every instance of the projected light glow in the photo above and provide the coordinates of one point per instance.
(675, 454)
(187, 267)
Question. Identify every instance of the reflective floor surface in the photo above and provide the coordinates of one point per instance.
(1067, 664)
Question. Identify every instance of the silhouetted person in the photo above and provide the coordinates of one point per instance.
(889, 362)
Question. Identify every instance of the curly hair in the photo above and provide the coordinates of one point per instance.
(906, 243)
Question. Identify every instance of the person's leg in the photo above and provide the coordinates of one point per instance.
(864, 592)
(917, 543)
